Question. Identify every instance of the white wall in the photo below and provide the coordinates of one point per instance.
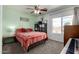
(0, 29)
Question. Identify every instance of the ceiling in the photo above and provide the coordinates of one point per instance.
(23, 8)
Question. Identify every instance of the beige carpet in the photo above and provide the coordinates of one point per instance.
(50, 47)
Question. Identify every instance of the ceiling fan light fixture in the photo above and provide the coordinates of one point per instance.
(36, 11)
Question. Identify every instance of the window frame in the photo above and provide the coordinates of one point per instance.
(61, 24)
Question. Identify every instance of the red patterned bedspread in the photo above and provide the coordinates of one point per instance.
(28, 38)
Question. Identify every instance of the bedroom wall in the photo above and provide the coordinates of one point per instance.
(11, 20)
(0, 29)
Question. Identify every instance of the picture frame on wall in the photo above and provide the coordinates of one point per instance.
(24, 19)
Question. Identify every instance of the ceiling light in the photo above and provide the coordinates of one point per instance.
(36, 11)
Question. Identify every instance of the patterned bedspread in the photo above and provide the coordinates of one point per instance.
(28, 38)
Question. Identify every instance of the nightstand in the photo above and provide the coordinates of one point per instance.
(8, 39)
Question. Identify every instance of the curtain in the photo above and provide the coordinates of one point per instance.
(76, 16)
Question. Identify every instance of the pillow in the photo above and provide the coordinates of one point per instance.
(21, 30)
(24, 30)
(29, 30)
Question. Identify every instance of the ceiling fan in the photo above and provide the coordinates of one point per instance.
(37, 9)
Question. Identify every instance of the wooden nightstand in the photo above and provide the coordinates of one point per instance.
(8, 39)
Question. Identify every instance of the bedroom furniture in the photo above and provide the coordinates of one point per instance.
(70, 31)
(8, 39)
(40, 26)
(72, 46)
(29, 38)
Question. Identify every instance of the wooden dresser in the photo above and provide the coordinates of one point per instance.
(70, 31)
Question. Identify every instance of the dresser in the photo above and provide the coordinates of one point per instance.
(70, 31)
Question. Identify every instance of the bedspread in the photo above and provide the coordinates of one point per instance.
(28, 38)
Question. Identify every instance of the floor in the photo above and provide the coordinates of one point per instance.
(49, 47)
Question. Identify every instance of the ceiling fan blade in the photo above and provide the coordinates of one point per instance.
(43, 9)
(30, 8)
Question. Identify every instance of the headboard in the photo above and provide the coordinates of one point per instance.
(70, 31)
(24, 30)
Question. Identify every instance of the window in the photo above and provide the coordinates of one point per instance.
(67, 20)
(58, 23)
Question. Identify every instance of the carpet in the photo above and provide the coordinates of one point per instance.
(49, 47)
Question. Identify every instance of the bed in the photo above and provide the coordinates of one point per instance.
(29, 38)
